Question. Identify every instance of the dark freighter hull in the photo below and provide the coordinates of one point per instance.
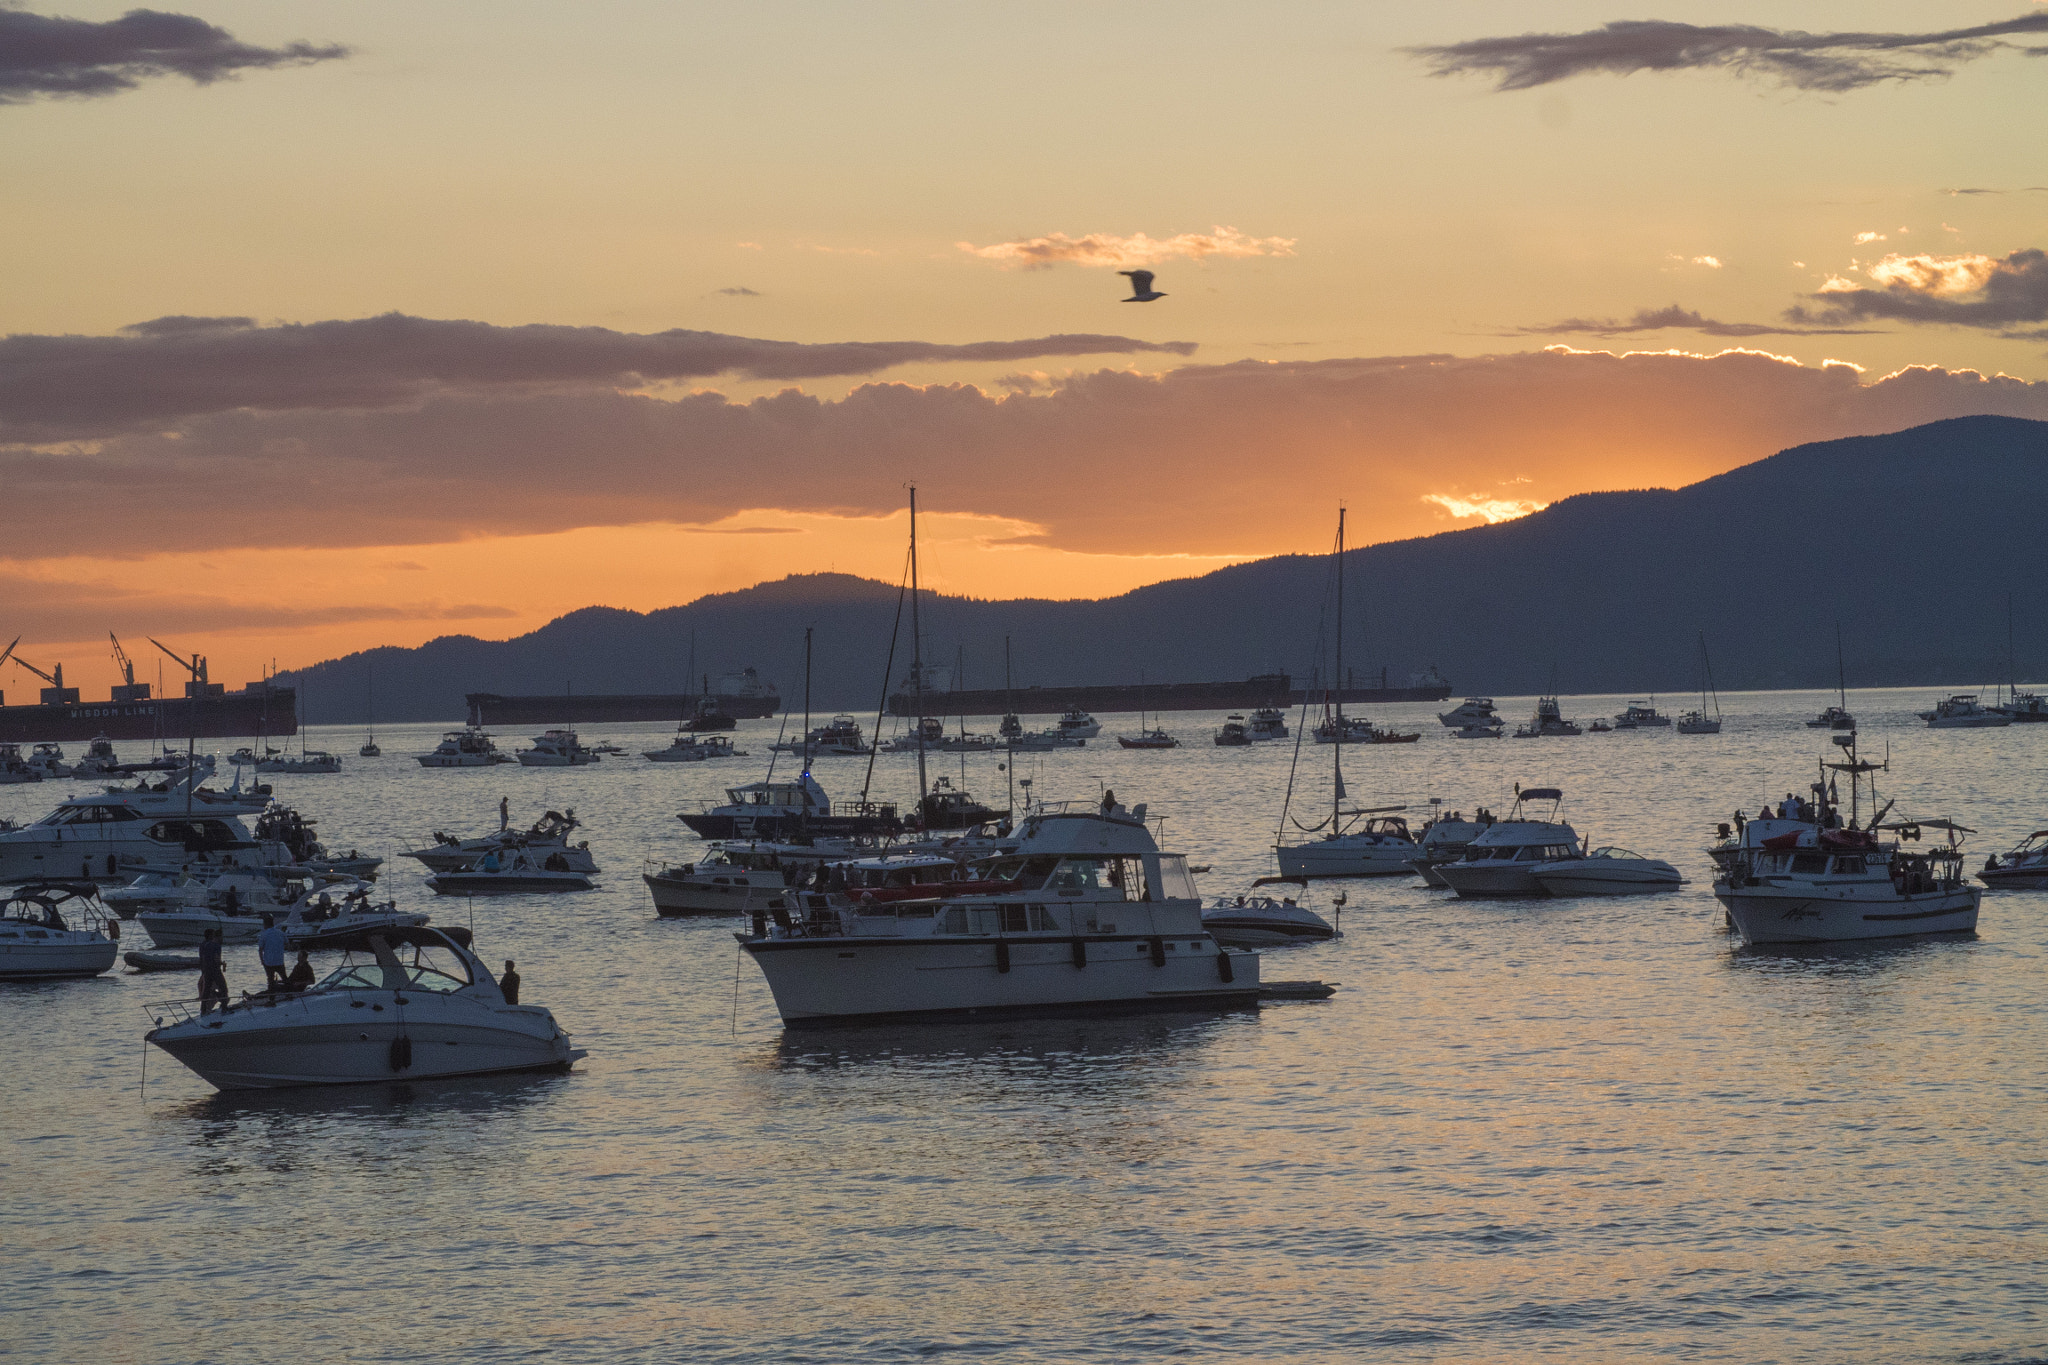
(1272, 689)
(490, 709)
(173, 719)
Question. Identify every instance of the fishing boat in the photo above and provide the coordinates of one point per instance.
(417, 1005)
(1087, 915)
(1233, 733)
(1832, 881)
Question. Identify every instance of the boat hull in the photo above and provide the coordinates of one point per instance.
(1481, 881)
(27, 959)
(2016, 878)
(1607, 883)
(302, 1046)
(676, 897)
(506, 883)
(827, 982)
(1263, 933)
(1768, 914)
(1339, 858)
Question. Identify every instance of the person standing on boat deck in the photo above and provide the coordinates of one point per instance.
(1108, 800)
(213, 979)
(1739, 822)
(504, 813)
(270, 952)
(509, 983)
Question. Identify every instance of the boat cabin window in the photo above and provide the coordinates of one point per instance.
(1041, 919)
(1078, 875)
(1014, 919)
(1175, 883)
(954, 921)
(1809, 864)
(1850, 864)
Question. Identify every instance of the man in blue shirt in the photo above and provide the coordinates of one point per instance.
(270, 951)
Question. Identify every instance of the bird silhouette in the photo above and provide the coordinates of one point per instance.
(1141, 286)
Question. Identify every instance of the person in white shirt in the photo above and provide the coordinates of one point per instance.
(270, 951)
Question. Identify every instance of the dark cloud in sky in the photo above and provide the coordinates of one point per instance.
(1163, 457)
(1805, 61)
(1963, 291)
(55, 388)
(2021, 189)
(1659, 319)
(44, 55)
(740, 291)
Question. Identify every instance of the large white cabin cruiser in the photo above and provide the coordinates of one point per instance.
(1087, 915)
(1641, 715)
(108, 836)
(419, 1005)
(784, 810)
(1268, 722)
(1963, 712)
(37, 943)
(691, 747)
(841, 735)
(1829, 881)
(1076, 725)
(469, 747)
(1548, 722)
(739, 878)
(1473, 711)
(1503, 859)
(14, 768)
(558, 749)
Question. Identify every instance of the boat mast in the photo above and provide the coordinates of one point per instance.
(1337, 748)
(807, 701)
(1841, 671)
(917, 656)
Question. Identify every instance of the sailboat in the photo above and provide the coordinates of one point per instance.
(1836, 717)
(1336, 727)
(1148, 737)
(370, 749)
(1699, 722)
(2022, 707)
(1359, 843)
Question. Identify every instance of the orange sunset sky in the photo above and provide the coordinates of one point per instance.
(336, 325)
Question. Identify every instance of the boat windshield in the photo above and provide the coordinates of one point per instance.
(413, 968)
(1612, 852)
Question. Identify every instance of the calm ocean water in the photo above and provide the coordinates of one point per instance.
(1582, 1130)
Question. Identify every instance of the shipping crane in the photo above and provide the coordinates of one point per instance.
(128, 689)
(56, 694)
(196, 666)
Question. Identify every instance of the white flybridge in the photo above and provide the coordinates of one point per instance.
(1086, 915)
(418, 1005)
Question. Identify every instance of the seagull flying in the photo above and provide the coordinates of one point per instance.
(1141, 286)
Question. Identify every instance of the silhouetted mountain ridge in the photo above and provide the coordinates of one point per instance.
(1911, 539)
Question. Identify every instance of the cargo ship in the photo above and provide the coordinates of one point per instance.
(742, 696)
(213, 714)
(1264, 689)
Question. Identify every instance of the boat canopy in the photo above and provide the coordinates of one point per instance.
(1538, 794)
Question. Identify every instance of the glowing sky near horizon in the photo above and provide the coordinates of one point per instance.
(1314, 201)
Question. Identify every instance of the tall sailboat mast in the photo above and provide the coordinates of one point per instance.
(1337, 749)
(917, 656)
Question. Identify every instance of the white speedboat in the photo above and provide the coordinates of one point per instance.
(1267, 722)
(557, 749)
(1444, 839)
(2025, 868)
(152, 889)
(516, 873)
(1363, 843)
(1470, 712)
(47, 761)
(1477, 732)
(1502, 859)
(14, 769)
(690, 747)
(1265, 920)
(1090, 916)
(469, 747)
(1548, 722)
(37, 941)
(325, 922)
(419, 1005)
(235, 903)
(739, 878)
(545, 836)
(1641, 715)
(1607, 871)
(1963, 712)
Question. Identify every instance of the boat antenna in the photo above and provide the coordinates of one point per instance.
(917, 657)
(807, 701)
(888, 672)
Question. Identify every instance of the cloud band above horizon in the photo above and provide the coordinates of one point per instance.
(45, 56)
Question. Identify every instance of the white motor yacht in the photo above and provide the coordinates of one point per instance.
(2025, 868)
(1641, 715)
(38, 942)
(419, 1005)
(160, 888)
(1363, 843)
(1444, 839)
(1963, 712)
(1473, 711)
(469, 747)
(1076, 724)
(115, 833)
(235, 903)
(739, 878)
(1267, 722)
(14, 769)
(1232, 733)
(557, 749)
(99, 760)
(1607, 871)
(515, 873)
(1266, 920)
(1087, 915)
(841, 735)
(549, 834)
(309, 761)
(47, 760)
(925, 734)
(689, 746)
(1503, 858)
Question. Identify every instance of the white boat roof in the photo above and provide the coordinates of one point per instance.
(1086, 832)
(1514, 833)
(897, 862)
